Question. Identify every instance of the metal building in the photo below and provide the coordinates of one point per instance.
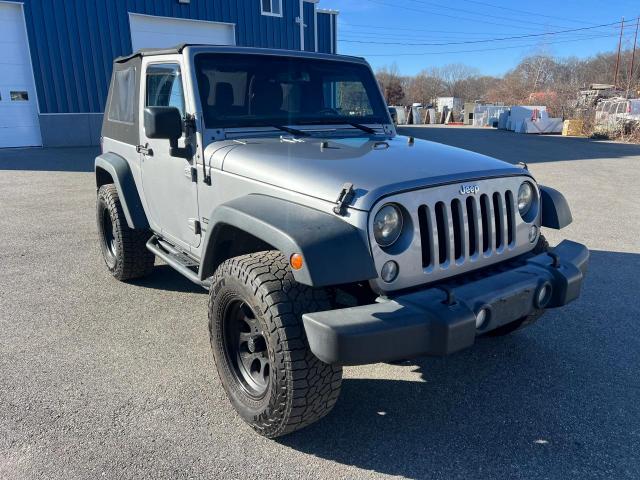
(56, 55)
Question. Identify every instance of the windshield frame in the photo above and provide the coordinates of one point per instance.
(380, 115)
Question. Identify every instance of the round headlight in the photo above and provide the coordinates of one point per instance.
(525, 198)
(387, 225)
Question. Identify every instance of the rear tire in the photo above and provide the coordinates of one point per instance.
(272, 378)
(124, 249)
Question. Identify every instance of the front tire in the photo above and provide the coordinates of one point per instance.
(272, 378)
(124, 249)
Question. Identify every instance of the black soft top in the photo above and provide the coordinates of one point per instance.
(178, 49)
(147, 52)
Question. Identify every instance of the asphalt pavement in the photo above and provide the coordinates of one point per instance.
(112, 380)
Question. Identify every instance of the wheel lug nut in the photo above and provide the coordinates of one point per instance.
(257, 343)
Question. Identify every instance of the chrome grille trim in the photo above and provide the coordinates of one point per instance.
(467, 224)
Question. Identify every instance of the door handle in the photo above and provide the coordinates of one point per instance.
(143, 149)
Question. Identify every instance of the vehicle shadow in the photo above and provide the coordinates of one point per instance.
(502, 144)
(71, 159)
(557, 400)
(166, 278)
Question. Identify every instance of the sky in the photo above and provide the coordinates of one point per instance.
(411, 33)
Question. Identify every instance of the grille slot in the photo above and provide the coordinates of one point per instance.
(484, 215)
(443, 232)
(472, 219)
(499, 221)
(426, 228)
(458, 230)
(511, 218)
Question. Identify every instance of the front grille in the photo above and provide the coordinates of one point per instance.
(454, 231)
(449, 234)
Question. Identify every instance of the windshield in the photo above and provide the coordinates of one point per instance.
(261, 90)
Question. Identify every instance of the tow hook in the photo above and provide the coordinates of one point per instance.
(450, 299)
(556, 259)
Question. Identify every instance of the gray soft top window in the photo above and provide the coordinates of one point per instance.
(121, 116)
(122, 105)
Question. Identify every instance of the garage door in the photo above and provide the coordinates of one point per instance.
(19, 125)
(162, 32)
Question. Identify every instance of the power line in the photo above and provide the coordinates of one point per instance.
(343, 25)
(386, 27)
(455, 17)
(526, 12)
(484, 14)
(437, 34)
(403, 54)
(467, 42)
(356, 35)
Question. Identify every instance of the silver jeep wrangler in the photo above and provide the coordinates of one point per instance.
(276, 181)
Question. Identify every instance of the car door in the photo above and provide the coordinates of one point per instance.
(170, 192)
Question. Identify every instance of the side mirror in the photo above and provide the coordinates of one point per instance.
(166, 123)
(163, 122)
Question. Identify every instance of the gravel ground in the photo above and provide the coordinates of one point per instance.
(105, 379)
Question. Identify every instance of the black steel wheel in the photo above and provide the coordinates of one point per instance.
(246, 348)
(124, 249)
(109, 244)
(271, 377)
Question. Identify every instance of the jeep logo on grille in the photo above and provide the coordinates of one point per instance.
(469, 189)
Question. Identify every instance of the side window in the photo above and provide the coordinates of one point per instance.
(121, 108)
(271, 7)
(164, 87)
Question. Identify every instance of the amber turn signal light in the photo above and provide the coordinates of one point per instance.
(296, 261)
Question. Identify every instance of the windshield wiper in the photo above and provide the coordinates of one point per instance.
(364, 128)
(292, 131)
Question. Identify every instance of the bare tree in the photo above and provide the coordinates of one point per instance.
(424, 88)
(453, 77)
(391, 84)
(538, 78)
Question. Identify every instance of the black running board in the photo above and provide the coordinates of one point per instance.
(176, 260)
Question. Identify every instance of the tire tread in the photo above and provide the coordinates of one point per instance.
(134, 259)
(310, 388)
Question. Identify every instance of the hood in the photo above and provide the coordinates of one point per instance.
(375, 167)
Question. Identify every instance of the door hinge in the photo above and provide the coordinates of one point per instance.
(194, 225)
(144, 149)
(191, 172)
(189, 124)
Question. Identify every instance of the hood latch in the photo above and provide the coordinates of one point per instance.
(346, 195)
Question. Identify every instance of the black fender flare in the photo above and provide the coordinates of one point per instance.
(556, 213)
(333, 251)
(119, 170)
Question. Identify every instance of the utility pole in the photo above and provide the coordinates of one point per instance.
(615, 77)
(633, 57)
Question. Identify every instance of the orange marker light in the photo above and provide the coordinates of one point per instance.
(296, 261)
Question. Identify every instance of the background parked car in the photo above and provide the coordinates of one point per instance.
(617, 113)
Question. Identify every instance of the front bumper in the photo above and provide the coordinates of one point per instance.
(436, 322)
